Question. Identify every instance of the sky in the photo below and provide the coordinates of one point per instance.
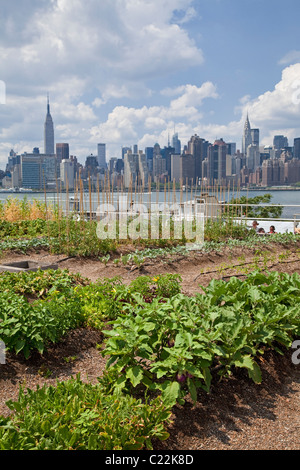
(126, 72)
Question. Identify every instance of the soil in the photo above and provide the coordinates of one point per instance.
(237, 414)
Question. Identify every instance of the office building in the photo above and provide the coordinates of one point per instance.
(216, 164)
(67, 174)
(280, 142)
(247, 137)
(102, 155)
(62, 152)
(231, 148)
(297, 148)
(91, 164)
(272, 172)
(31, 171)
(166, 153)
(38, 170)
(195, 148)
(135, 169)
(124, 151)
(149, 158)
(252, 157)
(187, 168)
(255, 137)
(48, 132)
(176, 143)
(175, 168)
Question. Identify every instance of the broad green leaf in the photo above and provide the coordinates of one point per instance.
(192, 389)
(170, 393)
(135, 375)
(255, 373)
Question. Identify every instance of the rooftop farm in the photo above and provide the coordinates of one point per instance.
(170, 327)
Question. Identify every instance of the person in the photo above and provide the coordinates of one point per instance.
(272, 229)
(255, 225)
(261, 231)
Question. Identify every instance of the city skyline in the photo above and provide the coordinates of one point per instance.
(139, 71)
(198, 162)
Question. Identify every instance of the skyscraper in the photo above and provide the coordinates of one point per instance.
(195, 148)
(102, 155)
(62, 152)
(247, 137)
(297, 147)
(280, 142)
(67, 173)
(255, 137)
(176, 143)
(48, 132)
(216, 164)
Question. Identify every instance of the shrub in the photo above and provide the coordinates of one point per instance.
(25, 326)
(80, 416)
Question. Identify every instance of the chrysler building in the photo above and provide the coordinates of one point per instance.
(247, 137)
(48, 132)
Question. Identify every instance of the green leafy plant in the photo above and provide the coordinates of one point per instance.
(81, 416)
(176, 346)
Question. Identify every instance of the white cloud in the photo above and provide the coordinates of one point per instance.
(127, 38)
(87, 55)
(273, 112)
(290, 57)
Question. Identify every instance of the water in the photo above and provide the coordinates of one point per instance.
(288, 199)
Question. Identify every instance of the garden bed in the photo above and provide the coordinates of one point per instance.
(237, 414)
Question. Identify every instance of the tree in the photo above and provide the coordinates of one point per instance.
(259, 212)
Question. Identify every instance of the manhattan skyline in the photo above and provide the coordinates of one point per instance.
(125, 72)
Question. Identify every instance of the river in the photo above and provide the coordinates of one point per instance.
(287, 198)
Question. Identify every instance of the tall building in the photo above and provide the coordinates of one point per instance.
(67, 173)
(247, 137)
(159, 166)
(175, 168)
(31, 171)
(102, 155)
(48, 132)
(272, 172)
(292, 171)
(216, 162)
(297, 148)
(231, 148)
(91, 164)
(176, 143)
(124, 151)
(166, 153)
(253, 157)
(255, 137)
(38, 170)
(62, 152)
(187, 168)
(280, 142)
(149, 158)
(195, 148)
(135, 169)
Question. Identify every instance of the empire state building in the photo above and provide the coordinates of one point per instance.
(48, 132)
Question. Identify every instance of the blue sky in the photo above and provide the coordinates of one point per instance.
(128, 72)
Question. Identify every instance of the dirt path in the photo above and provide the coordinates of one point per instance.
(197, 269)
(237, 414)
